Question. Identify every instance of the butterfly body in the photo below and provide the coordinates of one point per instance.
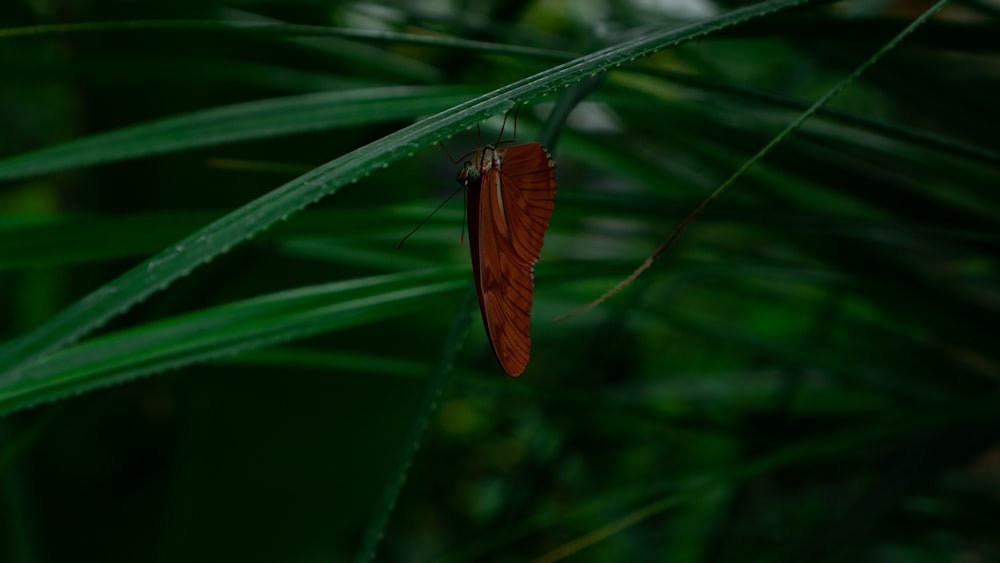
(511, 193)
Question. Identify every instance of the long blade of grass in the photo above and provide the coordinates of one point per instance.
(795, 124)
(202, 246)
(224, 331)
(432, 395)
(239, 122)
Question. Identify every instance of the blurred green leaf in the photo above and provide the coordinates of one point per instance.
(242, 122)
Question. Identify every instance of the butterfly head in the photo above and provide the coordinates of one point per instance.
(468, 174)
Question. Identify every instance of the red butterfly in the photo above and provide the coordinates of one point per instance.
(510, 193)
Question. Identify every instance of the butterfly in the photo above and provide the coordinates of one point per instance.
(510, 193)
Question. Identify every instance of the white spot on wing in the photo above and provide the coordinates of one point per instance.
(503, 211)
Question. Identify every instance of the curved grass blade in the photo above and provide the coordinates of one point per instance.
(176, 261)
(224, 331)
(788, 130)
(260, 119)
(435, 386)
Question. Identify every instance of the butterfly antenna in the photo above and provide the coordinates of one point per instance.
(448, 154)
(500, 140)
(516, 111)
(428, 218)
(503, 126)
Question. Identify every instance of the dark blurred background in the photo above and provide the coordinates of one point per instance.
(810, 373)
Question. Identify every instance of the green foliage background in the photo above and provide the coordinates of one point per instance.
(204, 358)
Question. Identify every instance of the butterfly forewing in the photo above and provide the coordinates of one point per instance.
(508, 217)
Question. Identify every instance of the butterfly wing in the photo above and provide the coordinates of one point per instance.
(508, 218)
